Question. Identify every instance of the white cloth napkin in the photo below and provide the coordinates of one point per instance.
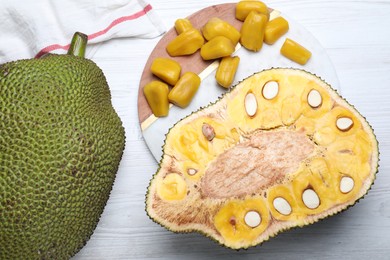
(31, 28)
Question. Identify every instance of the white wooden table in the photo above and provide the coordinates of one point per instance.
(356, 36)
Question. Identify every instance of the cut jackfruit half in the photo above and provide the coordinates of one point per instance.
(281, 149)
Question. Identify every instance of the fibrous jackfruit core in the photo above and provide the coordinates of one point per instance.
(259, 162)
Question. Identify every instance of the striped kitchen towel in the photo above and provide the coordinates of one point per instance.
(32, 28)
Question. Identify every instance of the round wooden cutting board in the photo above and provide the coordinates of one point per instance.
(154, 129)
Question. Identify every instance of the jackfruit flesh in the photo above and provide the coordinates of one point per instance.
(281, 149)
(60, 146)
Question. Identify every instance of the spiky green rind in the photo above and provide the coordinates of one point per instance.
(61, 142)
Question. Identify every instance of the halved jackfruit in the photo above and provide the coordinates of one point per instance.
(282, 149)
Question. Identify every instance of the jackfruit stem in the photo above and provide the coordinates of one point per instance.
(78, 45)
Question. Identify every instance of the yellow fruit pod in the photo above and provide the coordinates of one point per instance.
(193, 143)
(350, 154)
(335, 125)
(316, 102)
(275, 29)
(242, 222)
(322, 170)
(227, 70)
(311, 195)
(348, 174)
(341, 121)
(348, 187)
(166, 69)
(182, 25)
(156, 94)
(172, 187)
(291, 110)
(184, 90)
(186, 43)
(252, 31)
(243, 8)
(218, 27)
(295, 52)
(217, 47)
(282, 204)
(363, 145)
(188, 148)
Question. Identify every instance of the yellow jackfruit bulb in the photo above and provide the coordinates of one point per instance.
(217, 47)
(275, 29)
(242, 221)
(156, 93)
(252, 31)
(173, 187)
(227, 70)
(186, 43)
(295, 52)
(166, 69)
(182, 25)
(184, 90)
(243, 8)
(218, 27)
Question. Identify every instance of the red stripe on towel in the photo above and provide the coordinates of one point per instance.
(99, 33)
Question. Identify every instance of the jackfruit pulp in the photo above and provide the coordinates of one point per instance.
(61, 142)
(281, 149)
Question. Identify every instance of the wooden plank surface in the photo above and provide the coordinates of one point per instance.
(355, 36)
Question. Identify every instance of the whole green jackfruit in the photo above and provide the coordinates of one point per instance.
(61, 143)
